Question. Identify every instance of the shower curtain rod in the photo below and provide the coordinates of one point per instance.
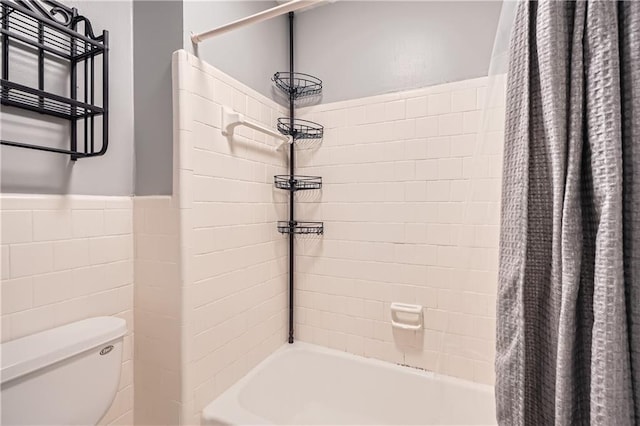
(253, 19)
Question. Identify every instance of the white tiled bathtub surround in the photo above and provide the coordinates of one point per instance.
(67, 258)
(235, 271)
(211, 269)
(411, 206)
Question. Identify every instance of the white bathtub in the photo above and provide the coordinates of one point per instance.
(306, 384)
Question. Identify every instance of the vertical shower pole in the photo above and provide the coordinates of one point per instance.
(291, 177)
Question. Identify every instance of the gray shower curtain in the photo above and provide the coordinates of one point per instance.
(568, 350)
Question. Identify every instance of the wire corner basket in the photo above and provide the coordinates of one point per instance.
(297, 84)
(295, 227)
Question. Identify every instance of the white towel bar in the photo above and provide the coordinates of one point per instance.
(232, 119)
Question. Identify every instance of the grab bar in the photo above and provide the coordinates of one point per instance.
(232, 119)
(406, 308)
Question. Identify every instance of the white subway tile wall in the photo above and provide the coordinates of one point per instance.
(234, 263)
(158, 311)
(64, 259)
(411, 208)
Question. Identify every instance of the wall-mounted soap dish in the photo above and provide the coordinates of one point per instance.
(406, 316)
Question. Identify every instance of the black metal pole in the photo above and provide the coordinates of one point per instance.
(85, 120)
(74, 96)
(41, 63)
(5, 49)
(105, 93)
(291, 173)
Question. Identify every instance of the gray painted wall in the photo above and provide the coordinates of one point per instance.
(364, 48)
(157, 33)
(29, 171)
(251, 54)
(357, 48)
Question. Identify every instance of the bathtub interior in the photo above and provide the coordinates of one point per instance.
(305, 384)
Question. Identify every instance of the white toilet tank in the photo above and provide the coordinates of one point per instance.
(65, 376)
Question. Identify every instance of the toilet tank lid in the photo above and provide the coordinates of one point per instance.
(30, 353)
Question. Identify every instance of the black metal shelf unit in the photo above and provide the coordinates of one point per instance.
(295, 86)
(53, 33)
(297, 182)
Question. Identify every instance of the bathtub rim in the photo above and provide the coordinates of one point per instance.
(226, 409)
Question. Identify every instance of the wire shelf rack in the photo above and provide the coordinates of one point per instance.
(301, 129)
(298, 84)
(40, 29)
(297, 182)
(14, 94)
(50, 32)
(295, 227)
